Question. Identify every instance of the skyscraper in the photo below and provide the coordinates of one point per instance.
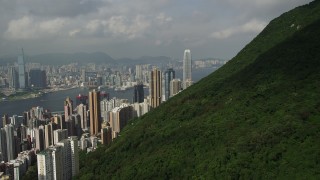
(95, 112)
(139, 72)
(175, 87)
(13, 78)
(120, 116)
(66, 158)
(169, 75)
(40, 140)
(44, 164)
(186, 67)
(138, 95)
(48, 134)
(3, 145)
(155, 87)
(56, 153)
(59, 135)
(74, 155)
(21, 72)
(68, 108)
(9, 129)
(82, 111)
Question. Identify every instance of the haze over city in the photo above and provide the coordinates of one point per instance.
(135, 28)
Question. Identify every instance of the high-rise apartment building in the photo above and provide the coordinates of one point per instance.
(3, 145)
(68, 108)
(155, 88)
(48, 134)
(169, 75)
(120, 116)
(95, 112)
(9, 129)
(59, 135)
(82, 111)
(40, 140)
(74, 155)
(44, 164)
(5, 120)
(66, 156)
(175, 87)
(140, 108)
(60, 161)
(56, 153)
(186, 67)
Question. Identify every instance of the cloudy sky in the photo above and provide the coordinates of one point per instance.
(134, 28)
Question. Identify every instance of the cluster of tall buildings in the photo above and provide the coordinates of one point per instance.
(19, 78)
(16, 168)
(162, 89)
(60, 161)
(94, 118)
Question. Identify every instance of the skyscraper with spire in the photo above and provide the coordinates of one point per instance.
(187, 68)
(21, 71)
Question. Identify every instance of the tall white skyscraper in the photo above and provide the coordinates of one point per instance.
(186, 67)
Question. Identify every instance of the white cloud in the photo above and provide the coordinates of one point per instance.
(253, 26)
(123, 26)
(21, 29)
(29, 28)
(162, 18)
(74, 32)
(52, 26)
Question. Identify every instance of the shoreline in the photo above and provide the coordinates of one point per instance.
(37, 94)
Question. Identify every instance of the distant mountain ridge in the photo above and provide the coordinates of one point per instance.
(83, 58)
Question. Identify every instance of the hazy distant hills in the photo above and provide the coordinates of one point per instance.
(83, 58)
(257, 117)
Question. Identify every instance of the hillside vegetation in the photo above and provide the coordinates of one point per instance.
(256, 117)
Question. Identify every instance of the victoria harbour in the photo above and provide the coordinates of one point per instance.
(54, 101)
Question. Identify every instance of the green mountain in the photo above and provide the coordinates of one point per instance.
(257, 117)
